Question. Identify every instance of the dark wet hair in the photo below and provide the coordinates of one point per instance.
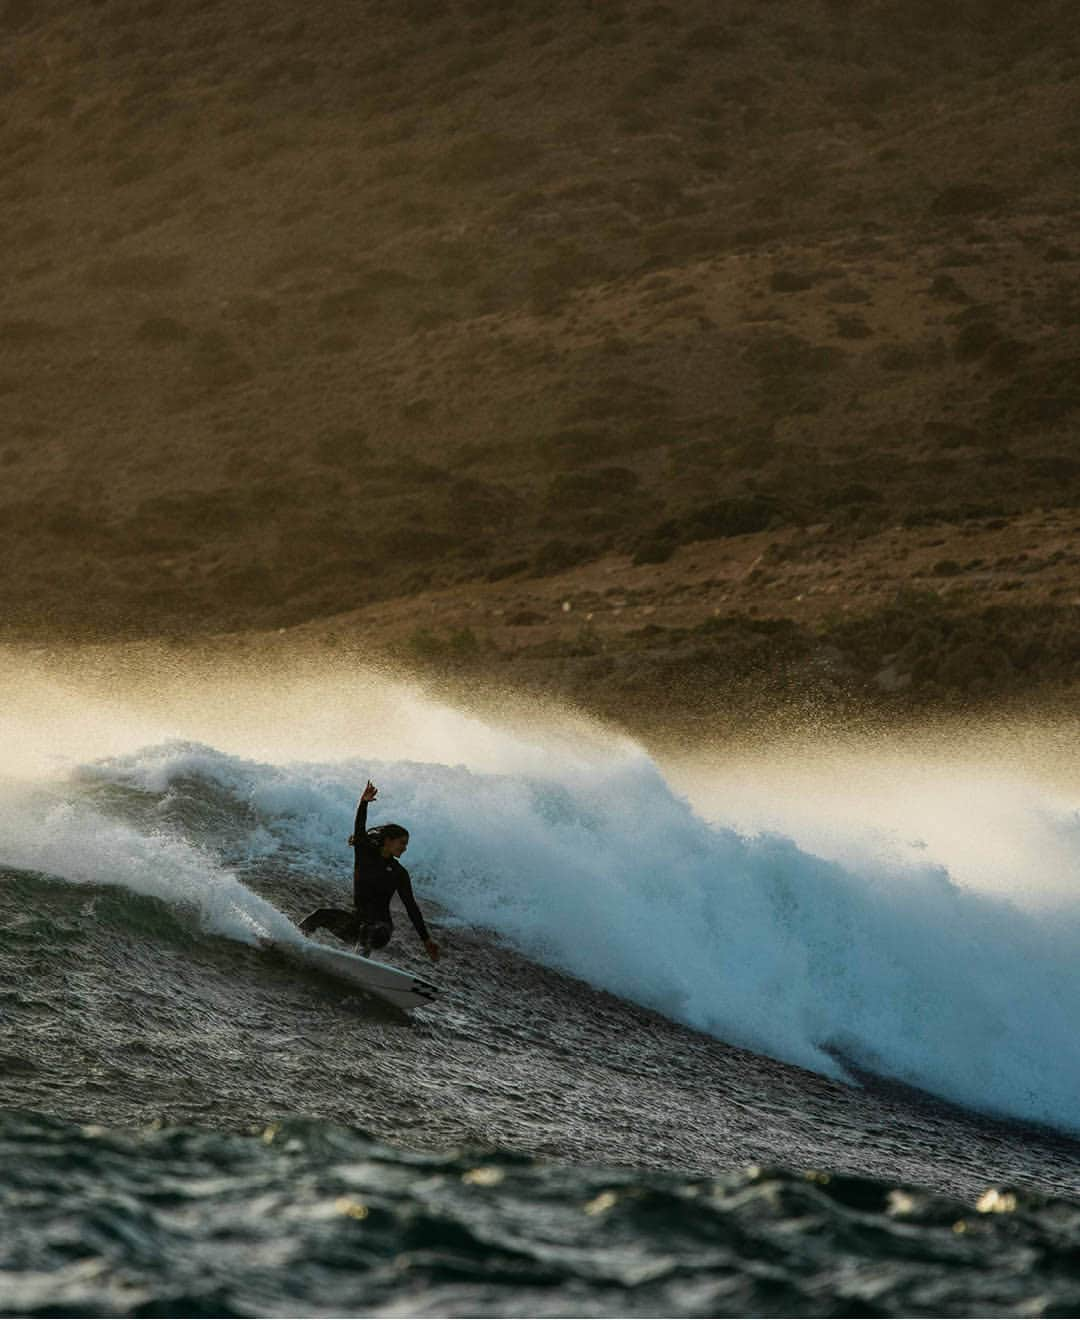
(384, 833)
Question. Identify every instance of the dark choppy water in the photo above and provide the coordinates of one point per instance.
(195, 1126)
(306, 1218)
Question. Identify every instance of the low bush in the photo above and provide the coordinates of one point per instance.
(343, 448)
(462, 644)
(951, 435)
(852, 327)
(147, 270)
(556, 556)
(578, 444)
(161, 330)
(847, 292)
(215, 363)
(739, 516)
(967, 199)
(416, 545)
(583, 490)
(654, 549)
(854, 493)
(553, 280)
(946, 288)
(788, 281)
(975, 339)
(506, 569)
(713, 37)
(784, 355)
(486, 156)
(23, 331)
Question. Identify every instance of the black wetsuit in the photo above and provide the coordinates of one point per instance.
(376, 879)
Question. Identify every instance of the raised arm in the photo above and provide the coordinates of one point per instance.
(369, 794)
(358, 842)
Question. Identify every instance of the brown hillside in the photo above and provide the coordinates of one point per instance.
(440, 315)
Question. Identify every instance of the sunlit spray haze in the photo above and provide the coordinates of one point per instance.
(910, 920)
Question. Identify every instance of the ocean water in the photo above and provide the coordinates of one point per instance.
(718, 1034)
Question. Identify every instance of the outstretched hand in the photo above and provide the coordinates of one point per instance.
(369, 794)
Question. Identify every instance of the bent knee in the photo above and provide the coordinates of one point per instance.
(378, 935)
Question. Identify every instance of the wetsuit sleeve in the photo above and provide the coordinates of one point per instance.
(404, 888)
(360, 849)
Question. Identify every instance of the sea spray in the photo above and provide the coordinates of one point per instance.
(63, 836)
(603, 871)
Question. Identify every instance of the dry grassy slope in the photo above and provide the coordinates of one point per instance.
(307, 306)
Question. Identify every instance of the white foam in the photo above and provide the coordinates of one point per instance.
(605, 872)
(62, 837)
(921, 916)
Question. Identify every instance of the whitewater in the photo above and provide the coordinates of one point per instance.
(861, 916)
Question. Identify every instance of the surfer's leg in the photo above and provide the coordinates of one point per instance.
(311, 922)
(335, 920)
(374, 935)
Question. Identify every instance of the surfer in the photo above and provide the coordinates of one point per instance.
(377, 877)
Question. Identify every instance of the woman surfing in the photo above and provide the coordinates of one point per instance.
(377, 876)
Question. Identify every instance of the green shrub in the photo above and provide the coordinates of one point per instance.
(417, 545)
(582, 490)
(418, 410)
(424, 644)
(17, 14)
(135, 169)
(967, 199)
(351, 304)
(25, 330)
(507, 568)
(901, 357)
(654, 549)
(784, 355)
(854, 493)
(852, 327)
(556, 556)
(946, 288)
(160, 330)
(846, 292)
(975, 339)
(551, 282)
(787, 281)
(147, 270)
(579, 444)
(1006, 354)
(256, 311)
(336, 343)
(951, 435)
(486, 156)
(215, 363)
(342, 448)
(731, 517)
(1059, 468)
(868, 92)
(713, 37)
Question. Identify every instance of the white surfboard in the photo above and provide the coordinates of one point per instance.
(402, 989)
